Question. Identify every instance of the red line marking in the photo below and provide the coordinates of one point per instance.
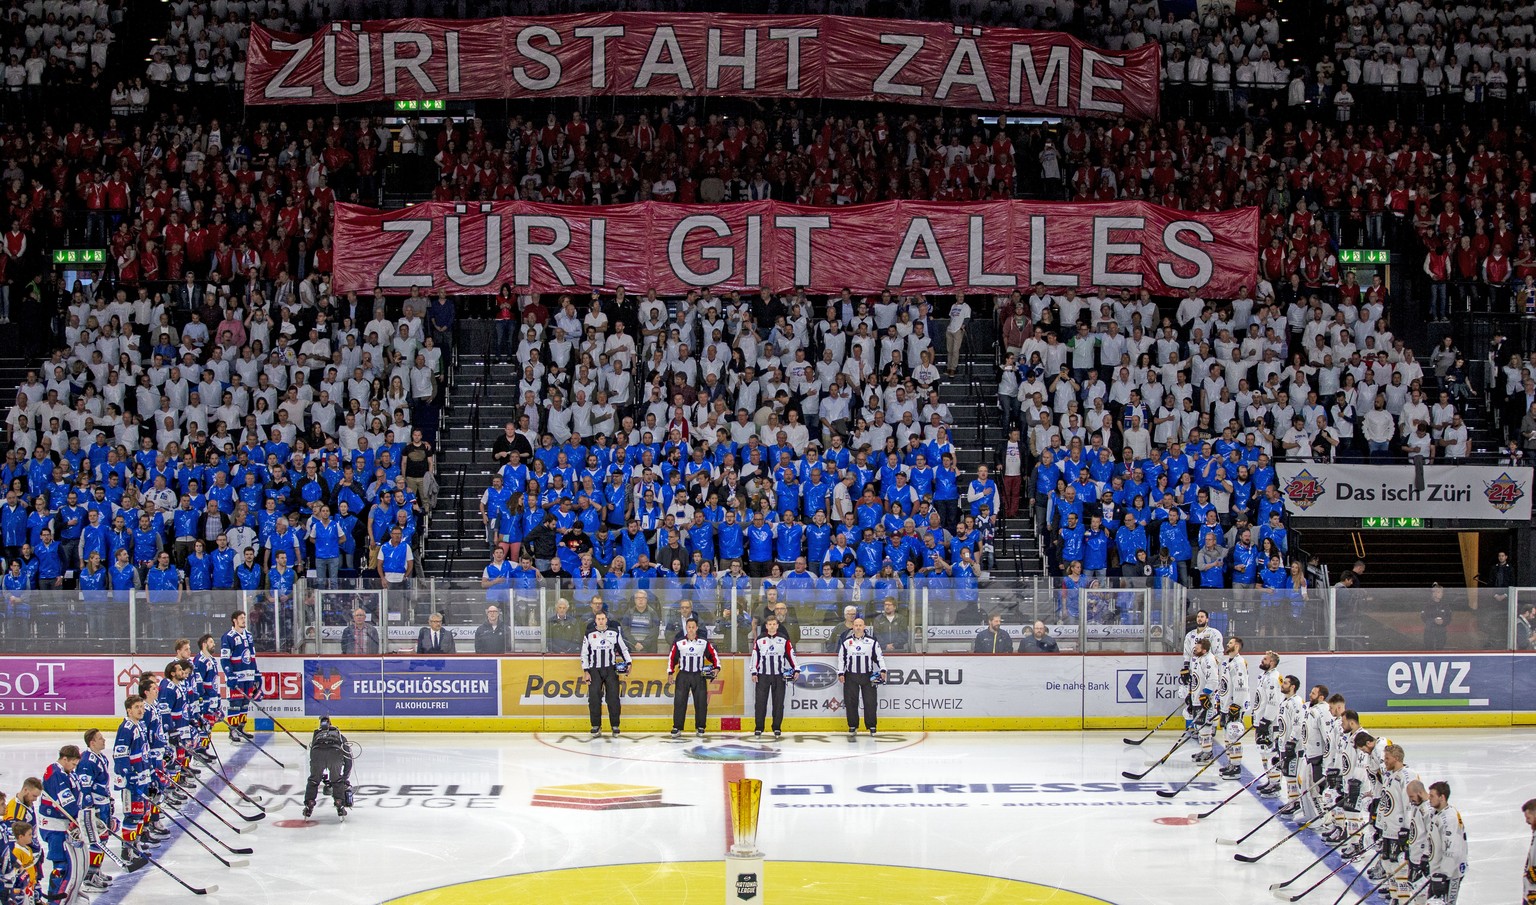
(732, 771)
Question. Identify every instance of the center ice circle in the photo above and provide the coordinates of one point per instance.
(703, 883)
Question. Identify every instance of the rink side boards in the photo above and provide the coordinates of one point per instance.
(937, 692)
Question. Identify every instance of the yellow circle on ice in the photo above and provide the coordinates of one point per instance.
(703, 883)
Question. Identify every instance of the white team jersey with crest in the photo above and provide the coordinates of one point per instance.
(1196, 634)
(1235, 684)
(1267, 696)
(1292, 722)
(1314, 736)
(1447, 843)
(1205, 674)
(1393, 808)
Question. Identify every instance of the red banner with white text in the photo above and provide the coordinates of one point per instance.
(910, 246)
(836, 57)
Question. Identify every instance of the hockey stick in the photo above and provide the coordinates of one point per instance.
(1241, 839)
(137, 863)
(1165, 793)
(224, 801)
(1138, 741)
(223, 774)
(1280, 893)
(1158, 763)
(1228, 799)
(1251, 859)
(276, 722)
(195, 890)
(206, 832)
(1414, 895)
(269, 754)
(1341, 843)
(187, 832)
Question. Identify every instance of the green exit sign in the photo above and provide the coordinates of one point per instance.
(1414, 522)
(79, 256)
(420, 106)
(1364, 256)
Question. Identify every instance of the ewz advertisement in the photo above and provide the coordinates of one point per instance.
(1409, 683)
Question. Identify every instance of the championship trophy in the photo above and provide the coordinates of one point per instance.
(743, 862)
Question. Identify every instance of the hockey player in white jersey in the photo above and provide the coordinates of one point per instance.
(1392, 829)
(1354, 798)
(1236, 701)
(1372, 750)
(1420, 818)
(1341, 760)
(1528, 878)
(1314, 751)
(1201, 632)
(1291, 733)
(1205, 685)
(1447, 847)
(1266, 721)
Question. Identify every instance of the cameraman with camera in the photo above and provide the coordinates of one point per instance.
(330, 762)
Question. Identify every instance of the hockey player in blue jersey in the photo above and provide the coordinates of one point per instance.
(209, 707)
(159, 747)
(95, 775)
(175, 707)
(131, 773)
(62, 831)
(237, 657)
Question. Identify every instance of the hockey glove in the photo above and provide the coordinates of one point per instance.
(1352, 795)
(1261, 732)
(1184, 675)
(1234, 713)
(1439, 886)
(1333, 779)
(257, 694)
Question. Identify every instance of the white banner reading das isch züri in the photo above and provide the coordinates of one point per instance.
(1321, 490)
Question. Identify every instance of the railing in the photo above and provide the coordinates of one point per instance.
(476, 420)
(1109, 616)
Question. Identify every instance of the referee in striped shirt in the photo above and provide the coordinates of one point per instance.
(694, 661)
(602, 651)
(773, 661)
(858, 660)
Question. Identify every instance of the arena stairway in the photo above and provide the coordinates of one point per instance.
(482, 400)
(972, 399)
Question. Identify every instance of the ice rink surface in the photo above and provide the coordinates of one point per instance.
(944, 817)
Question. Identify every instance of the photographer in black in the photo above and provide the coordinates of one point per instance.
(330, 762)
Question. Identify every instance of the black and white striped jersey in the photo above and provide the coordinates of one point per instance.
(602, 649)
(690, 656)
(772, 655)
(859, 655)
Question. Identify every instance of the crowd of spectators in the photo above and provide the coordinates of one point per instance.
(1165, 469)
(234, 437)
(212, 355)
(802, 454)
(55, 47)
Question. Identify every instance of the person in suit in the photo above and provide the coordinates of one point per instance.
(360, 637)
(433, 638)
(492, 637)
(1525, 627)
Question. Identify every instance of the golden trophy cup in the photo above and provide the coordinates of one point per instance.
(743, 861)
